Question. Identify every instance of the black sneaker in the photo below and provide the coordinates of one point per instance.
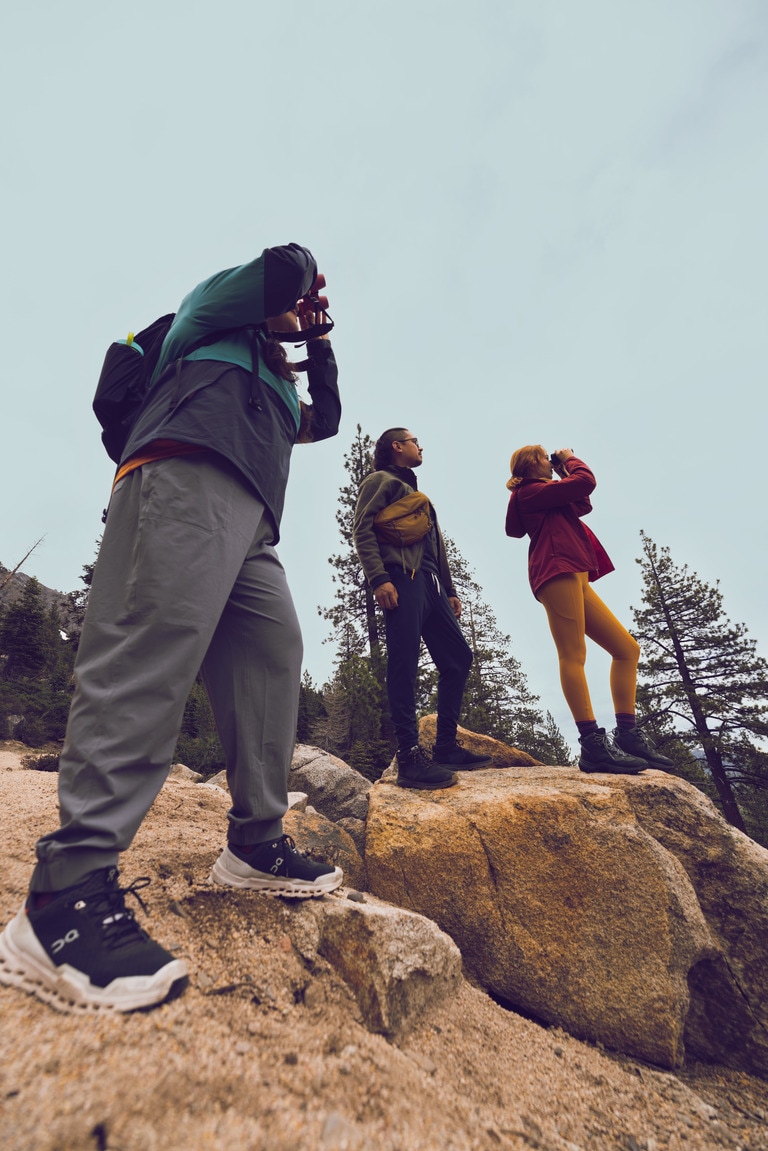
(275, 868)
(455, 756)
(600, 753)
(415, 769)
(634, 742)
(84, 951)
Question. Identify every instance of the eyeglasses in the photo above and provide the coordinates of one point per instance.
(408, 440)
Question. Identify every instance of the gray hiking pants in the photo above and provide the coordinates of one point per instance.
(184, 578)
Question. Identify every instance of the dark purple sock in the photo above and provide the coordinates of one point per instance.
(625, 721)
(587, 727)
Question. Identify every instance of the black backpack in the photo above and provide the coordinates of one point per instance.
(125, 375)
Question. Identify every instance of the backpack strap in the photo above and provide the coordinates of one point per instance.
(254, 333)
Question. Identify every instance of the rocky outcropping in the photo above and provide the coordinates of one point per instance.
(333, 788)
(270, 1048)
(728, 1016)
(395, 962)
(624, 909)
(502, 754)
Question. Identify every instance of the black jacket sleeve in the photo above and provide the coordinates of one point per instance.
(320, 419)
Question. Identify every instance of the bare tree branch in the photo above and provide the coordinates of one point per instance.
(11, 574)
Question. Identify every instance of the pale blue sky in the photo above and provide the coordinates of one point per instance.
(540, 221)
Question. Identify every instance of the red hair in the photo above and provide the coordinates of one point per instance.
(524, 462)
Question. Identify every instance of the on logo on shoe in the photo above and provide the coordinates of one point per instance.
(70, 937)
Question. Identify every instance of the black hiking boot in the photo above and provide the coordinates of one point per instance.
(81, 950)
(454, 756)
(600, 753)
(276, 867)
(632, 741)
(415, 769)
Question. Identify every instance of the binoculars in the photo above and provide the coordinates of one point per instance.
(312, 304)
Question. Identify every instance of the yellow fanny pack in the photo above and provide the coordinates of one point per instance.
(404, 522)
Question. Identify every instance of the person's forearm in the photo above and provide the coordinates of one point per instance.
(324, 413)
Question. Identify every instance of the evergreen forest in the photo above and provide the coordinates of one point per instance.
(702, 689)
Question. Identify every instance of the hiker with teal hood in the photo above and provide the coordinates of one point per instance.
(187, 579)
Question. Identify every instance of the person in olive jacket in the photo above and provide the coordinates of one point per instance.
(564, 559)
(411, 583)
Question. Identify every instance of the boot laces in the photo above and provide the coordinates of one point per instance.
(118, 922)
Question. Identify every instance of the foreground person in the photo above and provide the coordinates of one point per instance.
(563, 559)
(187, 578)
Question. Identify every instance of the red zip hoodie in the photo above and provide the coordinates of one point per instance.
(548, 511)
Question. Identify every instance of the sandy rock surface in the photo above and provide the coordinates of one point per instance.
(267, 1048)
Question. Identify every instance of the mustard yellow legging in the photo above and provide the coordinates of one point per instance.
(574, 612)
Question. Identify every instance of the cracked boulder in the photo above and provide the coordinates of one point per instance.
(332, 786)
(623, 909)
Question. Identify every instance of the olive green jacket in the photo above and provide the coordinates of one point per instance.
(377, 491)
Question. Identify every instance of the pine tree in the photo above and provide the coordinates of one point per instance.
(358, 628)
(198, 746)
(547, 743)
(78, 602)
(701, 678)
(351, 724)
(25, 637)
(311, 708)
(35, 669)
(357, 625)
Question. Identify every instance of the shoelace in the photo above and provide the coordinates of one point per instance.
(118, 921)
(420, 759)
(291, 846)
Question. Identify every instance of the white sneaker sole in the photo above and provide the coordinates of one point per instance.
(234, 872)
(25, 964)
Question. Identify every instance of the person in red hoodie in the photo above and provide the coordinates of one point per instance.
(564, 558)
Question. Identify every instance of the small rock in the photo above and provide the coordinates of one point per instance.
(703, 1110)
(338, 1134)
(314, 997)
(181, 771)
(423, 1062)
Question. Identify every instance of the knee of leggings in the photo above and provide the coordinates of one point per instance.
(633, 652)
(575, 659)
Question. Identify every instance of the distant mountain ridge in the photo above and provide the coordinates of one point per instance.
(13, 589)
